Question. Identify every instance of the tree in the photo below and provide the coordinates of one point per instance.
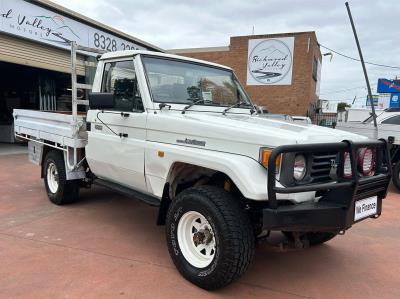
(342, 106)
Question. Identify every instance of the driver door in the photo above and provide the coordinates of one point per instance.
(112, 157)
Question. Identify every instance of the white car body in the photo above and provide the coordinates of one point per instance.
(220, 173)
(134, 162)
(382, 116)
(232, 141)
(388, 126)
(356, 114)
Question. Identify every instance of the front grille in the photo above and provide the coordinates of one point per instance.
(321, 166)
(370, 187)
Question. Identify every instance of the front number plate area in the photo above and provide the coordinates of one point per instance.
(365, 207)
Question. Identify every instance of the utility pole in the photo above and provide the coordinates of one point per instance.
(362, 63)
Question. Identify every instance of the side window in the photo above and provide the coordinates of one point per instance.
(119, 78)
(315, 69)
(395, 120)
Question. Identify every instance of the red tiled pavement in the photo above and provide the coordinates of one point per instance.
(108, 246)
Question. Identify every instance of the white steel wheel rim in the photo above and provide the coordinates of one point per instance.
(196, 239)
(52, 177)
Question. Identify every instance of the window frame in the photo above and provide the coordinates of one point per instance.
(389, 118)
(315, 69)
(116, 60)
(234, 78)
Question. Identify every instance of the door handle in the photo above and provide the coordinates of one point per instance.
(123, 135)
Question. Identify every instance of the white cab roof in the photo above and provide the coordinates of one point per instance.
(127, 53)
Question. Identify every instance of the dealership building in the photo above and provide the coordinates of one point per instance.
(280, 72)
(35, 60)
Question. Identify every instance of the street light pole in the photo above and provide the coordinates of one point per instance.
(362, 63)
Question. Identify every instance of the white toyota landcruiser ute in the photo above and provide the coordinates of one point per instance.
(182, 134)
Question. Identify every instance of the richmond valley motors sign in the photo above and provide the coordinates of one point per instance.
(270, 61)
(23, 18)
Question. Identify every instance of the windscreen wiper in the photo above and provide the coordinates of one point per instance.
(233, 106)
(191, 105)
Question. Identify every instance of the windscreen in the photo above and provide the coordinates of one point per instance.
(174, 81)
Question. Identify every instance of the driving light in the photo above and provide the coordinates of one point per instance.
(347, 173)
(299, 169)
(367, 161)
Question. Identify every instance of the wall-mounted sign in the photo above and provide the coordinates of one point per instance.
(395, 100)
(381, 101)
(22, 18)
(388, 86)
(374, 98)
(328, 106)
(270, 61)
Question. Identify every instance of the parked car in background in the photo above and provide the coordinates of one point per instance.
(356, 114)
(388, 128)
(388, 116)
(330, 123)
(305, 120)
(261, 109)
(278, 116)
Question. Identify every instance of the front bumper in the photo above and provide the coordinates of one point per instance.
(334, 211)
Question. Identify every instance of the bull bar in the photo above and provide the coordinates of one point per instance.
(335, 209)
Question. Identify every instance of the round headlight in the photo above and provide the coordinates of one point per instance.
(367, 161)
(299, 170)
(347, 166)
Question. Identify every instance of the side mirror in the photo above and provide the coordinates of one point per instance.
(101, 100)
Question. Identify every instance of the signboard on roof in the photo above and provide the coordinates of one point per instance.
(388, 86)
(25, 19)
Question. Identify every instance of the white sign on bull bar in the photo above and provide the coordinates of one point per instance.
(270, 61)
(21, 18)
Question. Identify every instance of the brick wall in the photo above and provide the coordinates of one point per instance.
(291, 99)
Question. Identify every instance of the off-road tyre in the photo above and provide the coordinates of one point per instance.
(67, 191)
(314, 238)
(232, 230)
(396, 175)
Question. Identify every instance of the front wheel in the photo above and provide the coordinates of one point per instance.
(210, 238)
(59, 190)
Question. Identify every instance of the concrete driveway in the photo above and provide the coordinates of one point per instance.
(108, 246)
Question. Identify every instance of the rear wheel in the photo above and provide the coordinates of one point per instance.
(314, 238)
(396, 175)
(210, 238)
(59, 190)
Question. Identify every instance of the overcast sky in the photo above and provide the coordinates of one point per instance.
(186, 24)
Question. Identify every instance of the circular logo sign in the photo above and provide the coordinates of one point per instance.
(270, 61)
